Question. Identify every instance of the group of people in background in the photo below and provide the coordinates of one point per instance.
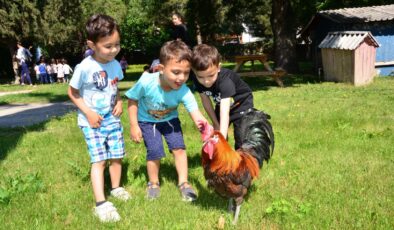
(57, 70)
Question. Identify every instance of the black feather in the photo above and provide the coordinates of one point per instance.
(257, 135)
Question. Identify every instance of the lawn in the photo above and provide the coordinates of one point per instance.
(333, 165)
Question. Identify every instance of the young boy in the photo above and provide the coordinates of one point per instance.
(232, 96)
(93, 89)
(153, 103)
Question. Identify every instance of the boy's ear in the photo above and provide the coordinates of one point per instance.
(219, 66)
(90, 44)
(160, 68)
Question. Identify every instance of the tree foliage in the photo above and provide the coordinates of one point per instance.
(58, 26)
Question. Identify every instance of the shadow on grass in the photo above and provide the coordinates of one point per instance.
(9, 137)
(19, 122)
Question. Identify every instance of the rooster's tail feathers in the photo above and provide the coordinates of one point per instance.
(257, 135)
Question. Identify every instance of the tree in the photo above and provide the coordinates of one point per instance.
(284, 31)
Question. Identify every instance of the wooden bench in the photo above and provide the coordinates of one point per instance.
(275, 74)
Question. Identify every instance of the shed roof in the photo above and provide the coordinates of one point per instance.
(352, 15)
(347, 40)
(360, 14)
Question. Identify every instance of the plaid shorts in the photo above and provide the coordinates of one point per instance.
(105, 142)
(153, 132)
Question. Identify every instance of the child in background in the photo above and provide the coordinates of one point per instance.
(37, 71)
(152, 106)
(54, 68)
(43, 71)
(123, 64)
(67, 70)
(232, 96)
(94, 90)
(60, 71)
(50, 73)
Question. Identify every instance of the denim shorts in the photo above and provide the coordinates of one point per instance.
(153, 132)
(104, 143)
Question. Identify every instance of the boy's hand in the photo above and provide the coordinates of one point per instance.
(135, 133)
(94, 119)
(118, 109)
(206, 130)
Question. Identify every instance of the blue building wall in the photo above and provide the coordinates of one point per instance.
(383, 33)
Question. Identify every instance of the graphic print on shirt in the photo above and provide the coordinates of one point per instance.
(216, 98)
(114, 87)
(100, 79)
(159, 111)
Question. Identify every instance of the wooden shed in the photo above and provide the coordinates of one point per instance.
(378, 20)
(349, 56)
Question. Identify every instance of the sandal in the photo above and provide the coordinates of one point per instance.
(153, 192)
(188, 193)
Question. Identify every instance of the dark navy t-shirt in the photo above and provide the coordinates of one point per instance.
(228, 84)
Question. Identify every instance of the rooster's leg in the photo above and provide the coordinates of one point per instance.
(230, 205)
(237, 209)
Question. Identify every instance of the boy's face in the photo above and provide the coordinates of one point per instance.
(174, 74)
(106, 48)
(208, 77)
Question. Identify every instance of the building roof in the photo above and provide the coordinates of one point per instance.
(352, 15)
(347, 40)
(360, 14)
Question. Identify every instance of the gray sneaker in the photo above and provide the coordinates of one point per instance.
(107, 212)
(153, 190)
(188, 193)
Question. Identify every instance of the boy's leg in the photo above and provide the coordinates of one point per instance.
(181, 165)
(153, 167)
(97, 177)
(115, 171)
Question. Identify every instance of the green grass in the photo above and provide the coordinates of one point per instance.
(333, 166)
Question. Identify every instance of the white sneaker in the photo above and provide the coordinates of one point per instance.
(107, 212)
(120, 193)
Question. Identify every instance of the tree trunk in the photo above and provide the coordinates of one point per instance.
(284, 31)
(198, 34)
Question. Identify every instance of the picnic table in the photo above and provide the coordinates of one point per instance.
(275, 74)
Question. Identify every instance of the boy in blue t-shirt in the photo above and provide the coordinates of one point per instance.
(93, 89)
(152, 107)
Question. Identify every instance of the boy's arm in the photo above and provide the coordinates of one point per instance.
(93, 118)
(198, 118)
(135, 131)
(225, 115)
(118, 109)
(207, 104)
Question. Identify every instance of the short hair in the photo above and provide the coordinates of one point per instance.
(178, 15)
(100, 25)
(204, 56)
(177, 50)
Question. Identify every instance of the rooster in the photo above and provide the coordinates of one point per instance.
(228, 172)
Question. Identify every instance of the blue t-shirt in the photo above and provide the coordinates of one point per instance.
(98, 85)
(157, 105)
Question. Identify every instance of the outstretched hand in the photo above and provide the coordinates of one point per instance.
(206, 130)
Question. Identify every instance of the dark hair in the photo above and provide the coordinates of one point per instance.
(178, 15)
(100, 25)
(204, 56)
(177, 50)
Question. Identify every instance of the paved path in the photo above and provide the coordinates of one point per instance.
(15, 115)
